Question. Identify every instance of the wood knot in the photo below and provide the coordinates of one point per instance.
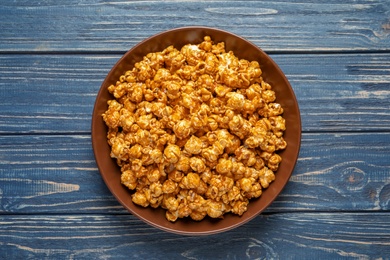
(386, 26)
(354, 178)
(384, 197)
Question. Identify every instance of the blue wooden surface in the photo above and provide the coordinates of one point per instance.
(55, 54)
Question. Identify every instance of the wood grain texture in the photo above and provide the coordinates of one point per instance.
(277, 236)
(46, 26)
(54, 56)
(58, 174)
(56, 93)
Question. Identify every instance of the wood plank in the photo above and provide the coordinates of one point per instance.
(56, 93)
(276, 236)
(273, 25)
(57, 174)
(50, 92)
(340, 92)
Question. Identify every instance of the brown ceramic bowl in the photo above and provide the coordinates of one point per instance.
(242, 49)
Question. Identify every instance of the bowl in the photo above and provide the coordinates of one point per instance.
(243, 49)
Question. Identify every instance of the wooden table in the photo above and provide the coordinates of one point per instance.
(54, 56)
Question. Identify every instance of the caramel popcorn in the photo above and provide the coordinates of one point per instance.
(195, 131)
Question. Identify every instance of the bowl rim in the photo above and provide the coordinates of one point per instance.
(96, 118)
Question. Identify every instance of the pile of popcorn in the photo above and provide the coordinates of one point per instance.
(195, 131)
